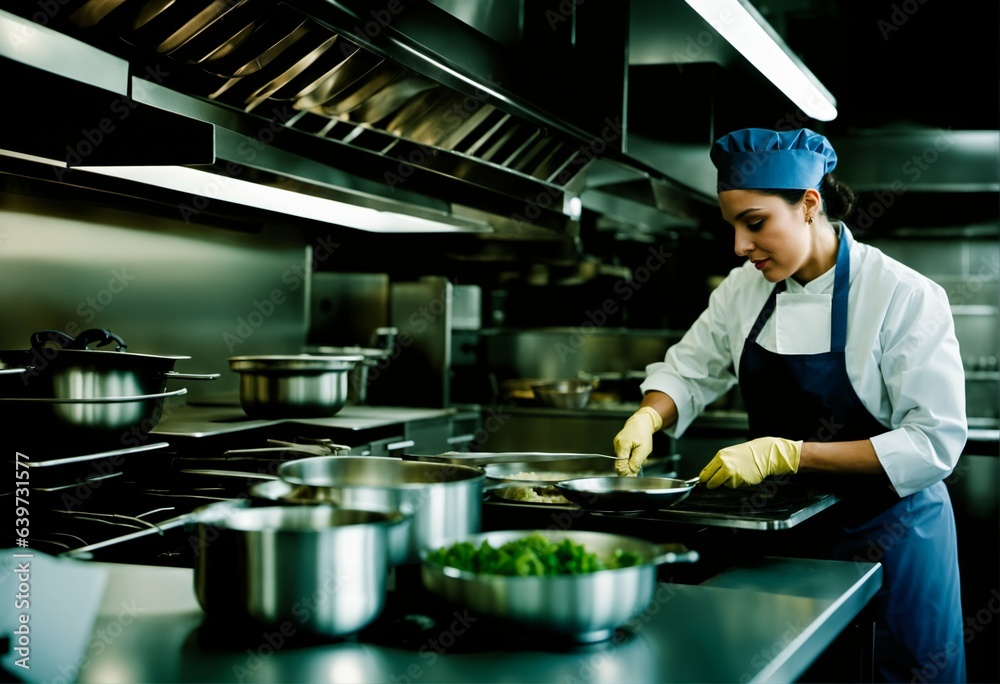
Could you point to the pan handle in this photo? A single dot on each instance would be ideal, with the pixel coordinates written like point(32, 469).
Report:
point(197, 516)
point(174, 375)
point(102, 337)
point(243, 475)
point(40, 338)
point(674, 553)
point(12, 371)
point(158, 528)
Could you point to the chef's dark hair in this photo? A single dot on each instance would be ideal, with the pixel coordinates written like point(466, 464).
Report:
point(838, 198)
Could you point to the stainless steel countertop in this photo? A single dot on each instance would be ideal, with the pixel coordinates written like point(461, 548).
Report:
point(764, 622)
point(205, 421)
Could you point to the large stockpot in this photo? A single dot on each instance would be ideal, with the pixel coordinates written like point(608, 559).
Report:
point(321, 569)
point(583, 607)
point(60, 367)
point(444, 500)
point(293, 386)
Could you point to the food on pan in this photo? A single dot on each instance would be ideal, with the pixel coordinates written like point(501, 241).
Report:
point(535, 494)
point(532, 555)
point(545, 476)
point(541, 477)
point(546, 495)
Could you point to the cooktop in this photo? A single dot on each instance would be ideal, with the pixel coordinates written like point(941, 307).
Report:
point(772, 505)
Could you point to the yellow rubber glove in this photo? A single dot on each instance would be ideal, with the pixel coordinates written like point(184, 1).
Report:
point(635, 441)
point(749, 463)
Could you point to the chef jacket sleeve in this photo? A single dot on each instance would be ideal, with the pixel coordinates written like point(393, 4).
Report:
point(698, 369)
point(923, 375)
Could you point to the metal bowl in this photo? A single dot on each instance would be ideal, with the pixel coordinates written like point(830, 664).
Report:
point(622, 494)
point(293, 386)
point(564, 393)
point(579, 608)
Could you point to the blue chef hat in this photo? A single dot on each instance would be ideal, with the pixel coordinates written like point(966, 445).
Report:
point(759, 158)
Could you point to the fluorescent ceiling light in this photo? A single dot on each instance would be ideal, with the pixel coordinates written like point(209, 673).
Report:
point(747, 31)
point(215, 187)
point(228, 189)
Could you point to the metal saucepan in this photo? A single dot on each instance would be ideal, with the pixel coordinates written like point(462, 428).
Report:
point(620, 494)
point(293, 386)
point(61, 367)
point(320, 568)
point(46, 428)
point(583, 607)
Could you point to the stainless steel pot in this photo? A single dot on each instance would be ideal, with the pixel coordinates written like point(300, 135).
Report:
point(47, 427)
point(321, 569)
point(444, 500)
point(583, 608)
point(281, 493)
point(60, 367)
point(293, 386)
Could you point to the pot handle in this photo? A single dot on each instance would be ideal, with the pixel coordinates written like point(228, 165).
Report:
point(174, 375)
point(101, 336)
point(158, 528)
point(40, 338)
point(674, 553)
point(243, 475)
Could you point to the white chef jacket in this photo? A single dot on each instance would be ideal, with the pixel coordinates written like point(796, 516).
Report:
point(902, 356)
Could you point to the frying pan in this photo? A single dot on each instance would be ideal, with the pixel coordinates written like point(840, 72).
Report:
point(548, 472)
point(623, 494)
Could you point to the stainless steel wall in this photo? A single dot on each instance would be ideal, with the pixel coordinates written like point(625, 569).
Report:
point(968, 268)
point(165, 286)
point(555, 353)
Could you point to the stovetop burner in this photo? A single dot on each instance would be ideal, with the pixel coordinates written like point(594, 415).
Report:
point(103, 500)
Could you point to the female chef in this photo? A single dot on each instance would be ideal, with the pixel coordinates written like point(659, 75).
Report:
point(850, 371)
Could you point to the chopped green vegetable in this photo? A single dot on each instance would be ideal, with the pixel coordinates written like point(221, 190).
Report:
point(533, 555)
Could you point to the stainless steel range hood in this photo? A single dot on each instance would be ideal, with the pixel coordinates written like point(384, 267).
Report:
point(403, 110)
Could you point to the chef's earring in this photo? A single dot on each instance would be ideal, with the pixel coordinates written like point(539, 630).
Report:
point(809, 220)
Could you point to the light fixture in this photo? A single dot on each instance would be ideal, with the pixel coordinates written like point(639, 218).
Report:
point(746, 30)
point(204, 187)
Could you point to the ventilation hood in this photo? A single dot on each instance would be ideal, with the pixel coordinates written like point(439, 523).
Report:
point(401, 112)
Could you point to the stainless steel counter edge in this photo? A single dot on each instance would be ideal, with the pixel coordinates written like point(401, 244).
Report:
point(759, 624)
point(203, 421)
point(798, 577)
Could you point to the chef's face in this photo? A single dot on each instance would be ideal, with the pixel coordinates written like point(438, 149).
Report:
point(769, 232)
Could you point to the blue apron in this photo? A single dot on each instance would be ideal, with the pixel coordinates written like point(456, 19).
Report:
point(918, 613)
